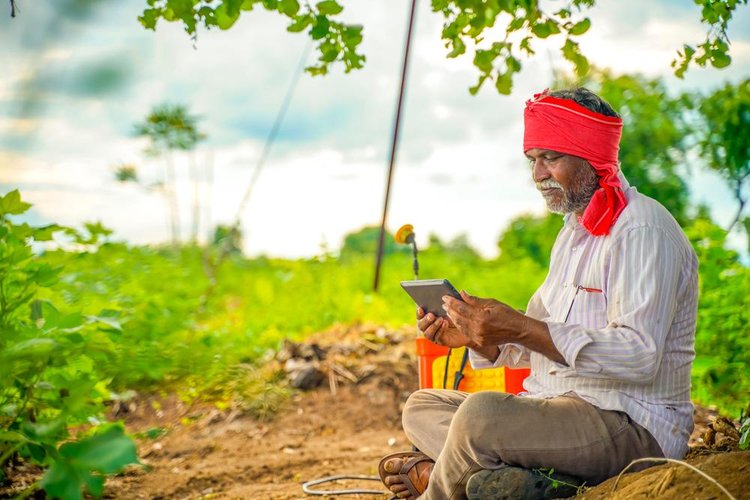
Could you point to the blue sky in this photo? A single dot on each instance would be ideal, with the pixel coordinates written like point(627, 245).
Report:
point(74, 83)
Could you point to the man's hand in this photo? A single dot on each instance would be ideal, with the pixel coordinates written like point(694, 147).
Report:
point(439, 330)
point(488, 323)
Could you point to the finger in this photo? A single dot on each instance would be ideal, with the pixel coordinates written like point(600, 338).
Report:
point(455, 307)
point(472, 300)
point(431, 332)
point(420, 313)
point(437, 337)
point(424, 323)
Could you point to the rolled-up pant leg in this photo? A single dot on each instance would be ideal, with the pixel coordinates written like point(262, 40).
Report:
point(465, 433)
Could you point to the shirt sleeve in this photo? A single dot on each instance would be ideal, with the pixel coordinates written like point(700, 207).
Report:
point(642, 286)
point(511, 355)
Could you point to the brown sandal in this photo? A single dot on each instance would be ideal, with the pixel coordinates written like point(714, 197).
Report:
point(413, 476)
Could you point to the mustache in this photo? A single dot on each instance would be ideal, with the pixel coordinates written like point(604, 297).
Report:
point(548, 184)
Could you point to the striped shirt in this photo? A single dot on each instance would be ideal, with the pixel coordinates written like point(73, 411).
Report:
point(621, 310)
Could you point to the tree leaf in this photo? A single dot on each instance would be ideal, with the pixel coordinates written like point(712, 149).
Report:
point(11, 437)
point(289, 7)
point(504, 82)
point(321, 28)
point(45, 275)
point(107, 452)
point(720, 59)
point(580, 27)
point(11, 204)
point(45, 432)
point(32, 348)
point(458, 48)
point(225, 18)
point(109, 321)
point(329, 7)
point(541, 30)
point(45, 233)
point(149, 17)
point(63, 480)
point(300, 23)
point(95, 484)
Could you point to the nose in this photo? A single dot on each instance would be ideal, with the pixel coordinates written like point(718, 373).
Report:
point(540, 170)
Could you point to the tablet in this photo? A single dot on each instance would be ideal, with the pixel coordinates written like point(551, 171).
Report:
point(428, 294)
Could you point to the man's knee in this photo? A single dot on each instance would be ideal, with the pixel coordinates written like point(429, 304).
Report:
point(480, 413)
point(412, 415)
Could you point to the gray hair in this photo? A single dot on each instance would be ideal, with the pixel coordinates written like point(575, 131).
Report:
point(587, 99)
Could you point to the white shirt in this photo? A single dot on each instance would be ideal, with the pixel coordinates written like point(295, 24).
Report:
point(621, 310)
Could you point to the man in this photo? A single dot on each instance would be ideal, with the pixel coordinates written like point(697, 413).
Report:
point(609, 334)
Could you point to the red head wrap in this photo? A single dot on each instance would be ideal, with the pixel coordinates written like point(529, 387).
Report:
point(564, 126)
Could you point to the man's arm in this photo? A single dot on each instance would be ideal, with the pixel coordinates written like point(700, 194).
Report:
point(490, 323)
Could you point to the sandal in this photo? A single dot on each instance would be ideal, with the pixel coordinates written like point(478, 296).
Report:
point(413, 475)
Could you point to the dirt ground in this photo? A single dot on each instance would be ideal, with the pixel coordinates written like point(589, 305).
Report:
point(342, 428)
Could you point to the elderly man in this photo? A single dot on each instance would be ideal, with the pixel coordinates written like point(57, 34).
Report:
point(609, 335)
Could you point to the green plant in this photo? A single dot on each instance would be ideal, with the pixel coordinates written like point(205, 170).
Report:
point(745, 429)
point(48, 365)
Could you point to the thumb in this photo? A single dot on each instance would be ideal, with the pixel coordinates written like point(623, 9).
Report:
point(469, 299)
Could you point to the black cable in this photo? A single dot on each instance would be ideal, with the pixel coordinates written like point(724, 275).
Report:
point(460, 373)
point(445, 372)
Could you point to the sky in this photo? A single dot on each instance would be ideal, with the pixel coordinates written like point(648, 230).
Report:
point(75, 80)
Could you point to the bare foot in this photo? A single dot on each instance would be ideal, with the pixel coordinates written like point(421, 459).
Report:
point(418, 474)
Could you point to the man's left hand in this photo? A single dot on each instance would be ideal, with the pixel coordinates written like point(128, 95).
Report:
point(487, 322)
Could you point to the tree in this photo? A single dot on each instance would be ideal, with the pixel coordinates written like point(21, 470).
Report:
point(724, 138)
point(655, 134)
point(171, 128)
point(365, 242)
point(530, 237)
point(467, 23)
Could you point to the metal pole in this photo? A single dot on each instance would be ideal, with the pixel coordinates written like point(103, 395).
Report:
point(394, 144)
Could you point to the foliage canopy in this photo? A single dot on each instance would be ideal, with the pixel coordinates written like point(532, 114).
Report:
point(724, 137)
point(467, 23)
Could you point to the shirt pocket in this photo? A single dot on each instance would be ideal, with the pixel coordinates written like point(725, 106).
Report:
point(589, 309)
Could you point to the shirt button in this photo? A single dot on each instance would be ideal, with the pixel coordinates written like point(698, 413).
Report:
point(574, 248)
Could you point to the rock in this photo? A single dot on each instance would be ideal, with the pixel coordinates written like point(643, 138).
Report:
point(306, 378)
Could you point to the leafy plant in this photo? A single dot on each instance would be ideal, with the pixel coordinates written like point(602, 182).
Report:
point(745, 429)
point(48, 365)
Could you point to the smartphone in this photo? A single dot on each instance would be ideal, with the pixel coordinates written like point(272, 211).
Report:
point(428, 294)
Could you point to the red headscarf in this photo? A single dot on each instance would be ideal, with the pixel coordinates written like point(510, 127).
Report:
point(564, 126)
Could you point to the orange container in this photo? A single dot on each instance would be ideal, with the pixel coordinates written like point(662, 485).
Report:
point(427, 353)
point(432, 371)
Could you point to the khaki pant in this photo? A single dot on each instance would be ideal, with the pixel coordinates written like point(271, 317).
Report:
point(465, 433)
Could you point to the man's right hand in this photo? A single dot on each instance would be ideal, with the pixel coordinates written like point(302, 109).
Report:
point(440, 330)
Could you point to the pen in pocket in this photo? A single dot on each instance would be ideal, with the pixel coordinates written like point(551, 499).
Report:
point(578, 289)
